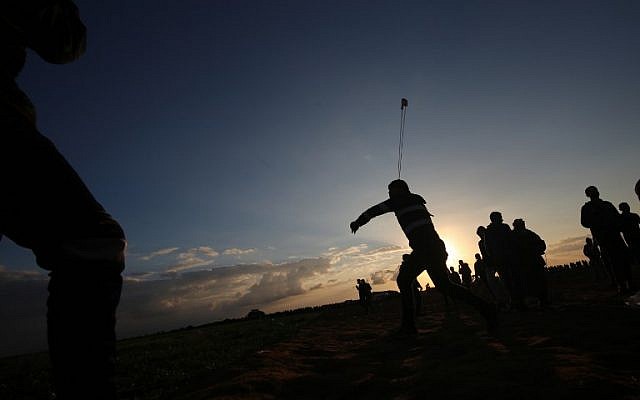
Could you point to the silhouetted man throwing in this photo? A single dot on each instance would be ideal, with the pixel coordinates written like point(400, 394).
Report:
point(428, 252)
point(46, 207)
point(602, 218)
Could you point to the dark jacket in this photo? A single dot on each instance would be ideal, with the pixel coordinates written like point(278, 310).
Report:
point(529, 248)
point(602, 218)
point(412, 215)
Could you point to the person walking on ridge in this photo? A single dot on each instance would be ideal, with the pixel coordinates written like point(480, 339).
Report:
point(428, 253)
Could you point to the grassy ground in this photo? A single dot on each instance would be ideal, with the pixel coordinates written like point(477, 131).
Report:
point(162, 365)
point(585, 346)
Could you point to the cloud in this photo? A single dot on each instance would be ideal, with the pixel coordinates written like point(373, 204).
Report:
point(237, 252)
point(191, 291)
point(161, 252)
point(382, 277)
point(7, 275)
point(335, 254)
point(193, 258)
point(284, 281)
point(566, 250)
point(569, 245)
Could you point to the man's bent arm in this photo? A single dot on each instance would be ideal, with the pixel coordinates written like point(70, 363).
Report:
point(372, 212)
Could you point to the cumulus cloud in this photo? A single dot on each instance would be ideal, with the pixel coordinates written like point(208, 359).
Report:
point(197, 297)
point(237, 252)
point(283, 281)
point(566, 250)
point(190, 291)
point(193, 258)
point(336, 254)
point(161, 252)
point(382, 277)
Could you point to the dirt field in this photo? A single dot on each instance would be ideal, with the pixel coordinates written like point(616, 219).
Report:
point(586, 346)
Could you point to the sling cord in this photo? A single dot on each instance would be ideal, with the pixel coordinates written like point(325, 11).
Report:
point(403, 114)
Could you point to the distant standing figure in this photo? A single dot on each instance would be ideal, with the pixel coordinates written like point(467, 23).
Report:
point(417, 292)
point(454, 276)
point(529, 249)
point(602, 218)
point(631, 230)
point(46, 207)
point(592, 252)
point(465, 273)
point(428, 252)
point(499, 247)
point(487, 277)
point(364, 294)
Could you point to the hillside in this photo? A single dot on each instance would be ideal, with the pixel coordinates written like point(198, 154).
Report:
point(586, 345)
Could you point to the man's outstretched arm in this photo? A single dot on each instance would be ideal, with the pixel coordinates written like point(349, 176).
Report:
point(372, 212)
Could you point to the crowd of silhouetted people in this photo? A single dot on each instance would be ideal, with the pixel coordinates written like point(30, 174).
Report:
point(615, 241)
point(510, 267)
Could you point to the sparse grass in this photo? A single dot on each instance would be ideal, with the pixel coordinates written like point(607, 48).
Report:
point(161, 365)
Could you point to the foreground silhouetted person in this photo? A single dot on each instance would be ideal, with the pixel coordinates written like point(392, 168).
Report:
point(602, 218)
point(630, 230)
point(529, 248)
point(428, 252)
point(46, 207)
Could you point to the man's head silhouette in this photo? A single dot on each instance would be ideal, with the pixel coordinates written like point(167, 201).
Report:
point(518, 224)
point(496, 217)
point(592, 192)
point(624, 207)
point(398, 187)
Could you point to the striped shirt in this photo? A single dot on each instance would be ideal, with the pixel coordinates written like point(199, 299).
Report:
point(410, 210)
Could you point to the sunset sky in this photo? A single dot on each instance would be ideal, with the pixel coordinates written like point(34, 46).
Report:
point(236, 140)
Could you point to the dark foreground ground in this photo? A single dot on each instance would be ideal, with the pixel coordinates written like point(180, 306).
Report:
point(586, 346)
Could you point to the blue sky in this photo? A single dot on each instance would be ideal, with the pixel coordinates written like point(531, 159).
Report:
point(235, 133)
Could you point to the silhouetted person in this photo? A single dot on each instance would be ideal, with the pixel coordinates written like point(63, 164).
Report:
point(465, 273)
point(486, 275)
point(592, 252)
point(481, 232)
point(498, 242)
point(529, 248)
point(417, 292)
point(47, 208)
point(637, 189)
point(602, 218)
point(428, 252)
point(630, 230)
point(364, 294)
point(454, 276)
